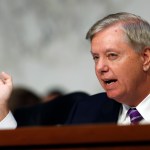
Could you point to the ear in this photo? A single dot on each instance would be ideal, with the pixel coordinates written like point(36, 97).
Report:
point(146, 59)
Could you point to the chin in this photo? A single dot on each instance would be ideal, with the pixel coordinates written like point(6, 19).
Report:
point(114, 95)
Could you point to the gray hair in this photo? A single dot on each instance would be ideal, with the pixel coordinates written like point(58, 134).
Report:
point(136, 28)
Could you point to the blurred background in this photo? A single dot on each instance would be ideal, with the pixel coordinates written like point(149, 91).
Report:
point(42, 42)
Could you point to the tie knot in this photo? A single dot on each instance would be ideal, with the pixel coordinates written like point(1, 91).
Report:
point(135, 116)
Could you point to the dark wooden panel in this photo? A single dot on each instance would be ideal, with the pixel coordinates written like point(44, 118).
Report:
point(96, 136)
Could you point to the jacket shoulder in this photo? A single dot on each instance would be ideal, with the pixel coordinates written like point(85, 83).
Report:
point(96, 108)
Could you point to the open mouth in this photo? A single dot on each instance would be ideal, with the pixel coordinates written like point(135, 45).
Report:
point(110, 81)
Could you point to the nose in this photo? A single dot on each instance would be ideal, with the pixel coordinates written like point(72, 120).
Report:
point(101, 66)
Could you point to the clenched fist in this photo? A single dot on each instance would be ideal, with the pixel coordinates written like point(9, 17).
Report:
point(5, 92)
point(5, 88)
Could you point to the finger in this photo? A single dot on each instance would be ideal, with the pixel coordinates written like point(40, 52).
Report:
point(5, 78)
point(2, 81)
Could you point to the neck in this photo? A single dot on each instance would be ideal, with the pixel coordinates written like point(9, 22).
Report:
point(136, 98)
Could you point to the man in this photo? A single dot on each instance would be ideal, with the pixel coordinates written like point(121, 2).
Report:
point(120, 47)
point(7, 120)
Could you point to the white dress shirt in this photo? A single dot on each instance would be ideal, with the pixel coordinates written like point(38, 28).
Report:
point(8, 122)
point(143, 108)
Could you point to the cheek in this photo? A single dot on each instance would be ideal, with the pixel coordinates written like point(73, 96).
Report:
point(97, 74)
point(129, 73)
point(96, 71)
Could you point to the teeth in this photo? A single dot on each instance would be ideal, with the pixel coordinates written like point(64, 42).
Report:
point(110, 81)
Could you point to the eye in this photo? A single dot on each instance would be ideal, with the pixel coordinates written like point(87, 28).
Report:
point(112, 56)
point(95, 58)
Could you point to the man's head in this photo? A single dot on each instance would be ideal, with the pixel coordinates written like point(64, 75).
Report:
point(136, 28)
point(120, 46)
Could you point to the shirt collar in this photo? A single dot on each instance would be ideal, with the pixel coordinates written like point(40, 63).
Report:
point(123, 112)
point(143, 108)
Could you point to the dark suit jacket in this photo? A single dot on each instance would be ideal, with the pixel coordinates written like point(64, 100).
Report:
point(74, 108)
point(51, 113)
point(95, 109)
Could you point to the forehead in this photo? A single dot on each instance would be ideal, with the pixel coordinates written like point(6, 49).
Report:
point(114, 30)
point(110, 37)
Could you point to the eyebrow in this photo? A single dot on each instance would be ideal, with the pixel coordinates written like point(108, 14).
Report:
point(93, 53)
point(107, 50)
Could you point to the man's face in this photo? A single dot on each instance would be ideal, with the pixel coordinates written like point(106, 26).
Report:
point(118, 67)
